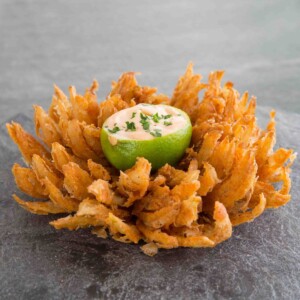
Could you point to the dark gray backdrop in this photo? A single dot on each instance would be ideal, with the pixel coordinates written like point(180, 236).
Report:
point(72, 42)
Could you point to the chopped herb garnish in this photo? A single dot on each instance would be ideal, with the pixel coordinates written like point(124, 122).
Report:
point(143, 117)
point(114, 130)
point(145, 124)
point(130, 126)
point(167, 123)
point(144, 121)
point(156, 133)
point(156, 118)
point(133, 115)
point(167, 116)
point(179, 115)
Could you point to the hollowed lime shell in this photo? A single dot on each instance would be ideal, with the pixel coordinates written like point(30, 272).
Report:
point(158, 151)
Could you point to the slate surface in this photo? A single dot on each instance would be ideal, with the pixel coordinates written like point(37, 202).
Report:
point(72, 42)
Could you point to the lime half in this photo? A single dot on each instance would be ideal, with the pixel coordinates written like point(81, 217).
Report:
point(159, 133)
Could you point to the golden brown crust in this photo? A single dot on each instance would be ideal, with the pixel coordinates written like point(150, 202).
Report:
point(225, 179)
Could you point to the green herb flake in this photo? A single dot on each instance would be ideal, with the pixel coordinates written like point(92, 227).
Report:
point(156, 118)
point(145, 124)
point(144, 121)
point(167, 116)
point(114, 130)
point(133, 115)
point(143, 117)
point(156, 133)
point(130, 126)
point(167, 123)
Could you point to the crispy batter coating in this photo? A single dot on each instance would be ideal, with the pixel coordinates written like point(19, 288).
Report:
point(98, 171)
point(61, 156)
point(28, 182)
point(122, 231)
point(45, 127)
point(186, 92)
point(162, 239)
point(188, 212)
point(101, 190)
point(150, 249)
point(175, 176)
point(134, 182)
point(90, 213)
point(221, 230)
point(85, 108)
point(208, 180)
point(229, 175)
point(76, 181)
point(91, 135)
point(39, 208)
point(56, 196)
point(77, 140)
point(248, 216)
point(76, 222)
point(27, 144)
point(44, 169)
point(110, 106)
point(233, 188)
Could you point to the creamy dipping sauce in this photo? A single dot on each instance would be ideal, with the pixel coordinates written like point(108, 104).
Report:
point(144, 122)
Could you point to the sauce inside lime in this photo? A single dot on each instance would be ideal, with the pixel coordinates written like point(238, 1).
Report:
point(159, 133)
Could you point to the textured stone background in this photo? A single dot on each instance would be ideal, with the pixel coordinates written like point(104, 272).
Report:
point(72, 42)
